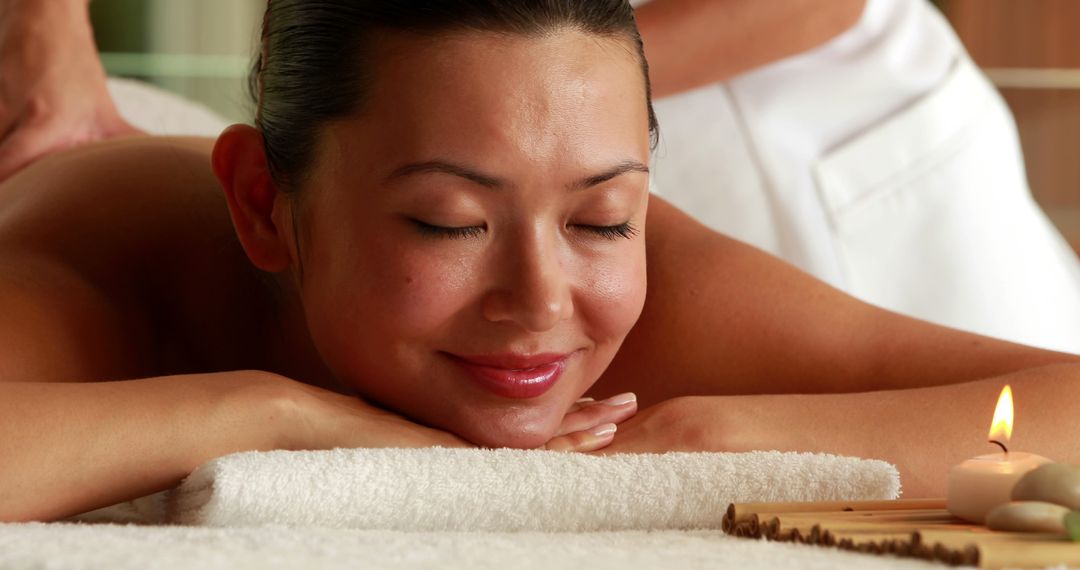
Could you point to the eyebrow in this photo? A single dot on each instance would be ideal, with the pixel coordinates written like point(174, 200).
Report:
point(495, 183)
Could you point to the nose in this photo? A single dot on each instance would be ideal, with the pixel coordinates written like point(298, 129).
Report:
point(533, 289)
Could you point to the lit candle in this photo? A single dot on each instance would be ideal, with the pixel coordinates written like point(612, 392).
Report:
point(981, 483)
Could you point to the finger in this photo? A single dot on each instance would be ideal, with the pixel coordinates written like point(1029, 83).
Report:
point(589, 440)
point(589, 413)
point(613, 410)
point(24, 145)
point(580, 404)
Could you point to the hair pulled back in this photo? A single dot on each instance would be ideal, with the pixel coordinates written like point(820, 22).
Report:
point(314, 66)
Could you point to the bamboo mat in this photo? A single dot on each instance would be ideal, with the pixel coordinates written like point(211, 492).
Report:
point(906, 528)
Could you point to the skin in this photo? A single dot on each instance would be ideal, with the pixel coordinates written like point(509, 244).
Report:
point(687, 49)
point(733, 349)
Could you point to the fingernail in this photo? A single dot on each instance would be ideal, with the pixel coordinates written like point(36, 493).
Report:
point(584, 401)
point(621, 399)
point(604, 430)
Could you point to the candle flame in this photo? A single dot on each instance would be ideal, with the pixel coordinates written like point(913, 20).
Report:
point(1001, 427)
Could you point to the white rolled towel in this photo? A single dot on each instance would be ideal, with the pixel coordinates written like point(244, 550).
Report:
point(438, 489)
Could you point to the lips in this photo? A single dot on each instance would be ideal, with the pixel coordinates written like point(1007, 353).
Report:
point(513, 375)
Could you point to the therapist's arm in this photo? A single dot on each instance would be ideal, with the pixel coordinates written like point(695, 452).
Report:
point(690, 43)
point(53, 93)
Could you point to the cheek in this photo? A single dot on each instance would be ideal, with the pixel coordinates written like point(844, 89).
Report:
point(613, 296)
point(419, 295)
point(371, 307)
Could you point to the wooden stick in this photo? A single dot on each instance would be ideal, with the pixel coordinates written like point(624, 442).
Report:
point(918, 529)
point(739, 511)
point(913, 513)
point(905, 544)
point(858, 536)
point(1028, 555)
point(893, 527)
point(933, 519)
point(754, 527)
point(951, 538)
point(895, 516)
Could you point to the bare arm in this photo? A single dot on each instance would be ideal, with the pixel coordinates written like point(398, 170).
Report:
point(923, 431)
point(690, 43)
point(72, 447)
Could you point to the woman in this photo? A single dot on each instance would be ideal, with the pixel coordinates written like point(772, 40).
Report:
point(446, 206)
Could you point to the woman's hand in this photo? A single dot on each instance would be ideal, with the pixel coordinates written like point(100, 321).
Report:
point(691, 423)
point(321, 419)
point(53, 93)
point(590, 425)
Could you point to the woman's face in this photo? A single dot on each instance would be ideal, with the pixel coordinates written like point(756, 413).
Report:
point(473, 239)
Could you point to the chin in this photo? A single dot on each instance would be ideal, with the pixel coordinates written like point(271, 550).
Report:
point(512, 440)
point(518, 429)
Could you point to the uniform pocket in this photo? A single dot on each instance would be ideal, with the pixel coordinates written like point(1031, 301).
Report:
point(933, 218)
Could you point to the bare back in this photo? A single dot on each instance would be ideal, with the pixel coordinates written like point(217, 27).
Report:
point(119, 261)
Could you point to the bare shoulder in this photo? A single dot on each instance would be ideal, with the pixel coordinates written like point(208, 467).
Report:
point(724, 318)
point(104, 252)
point(118, 195)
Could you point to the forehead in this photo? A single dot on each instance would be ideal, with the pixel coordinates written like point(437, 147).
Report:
point(561, 97)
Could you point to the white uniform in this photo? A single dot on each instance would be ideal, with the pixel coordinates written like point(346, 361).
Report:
point(884, 163)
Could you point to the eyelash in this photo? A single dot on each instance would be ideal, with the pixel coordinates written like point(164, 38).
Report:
point(624, 230)
point(451, 233)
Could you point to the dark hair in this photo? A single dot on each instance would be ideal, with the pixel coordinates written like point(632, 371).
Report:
point(312, 69)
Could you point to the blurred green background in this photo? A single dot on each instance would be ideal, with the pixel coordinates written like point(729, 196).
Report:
point(198, 48)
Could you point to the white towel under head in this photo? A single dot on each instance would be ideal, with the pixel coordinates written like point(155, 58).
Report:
point(511, 490)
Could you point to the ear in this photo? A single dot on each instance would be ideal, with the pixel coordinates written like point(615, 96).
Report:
point(239, 163)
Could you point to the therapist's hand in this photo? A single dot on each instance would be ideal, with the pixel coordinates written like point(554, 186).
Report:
point(52, 84)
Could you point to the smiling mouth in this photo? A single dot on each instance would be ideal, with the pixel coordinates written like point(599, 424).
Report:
point(512, 375)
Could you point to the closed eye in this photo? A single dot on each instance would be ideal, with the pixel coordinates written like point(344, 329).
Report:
point(624, 230)
point(445, 232)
